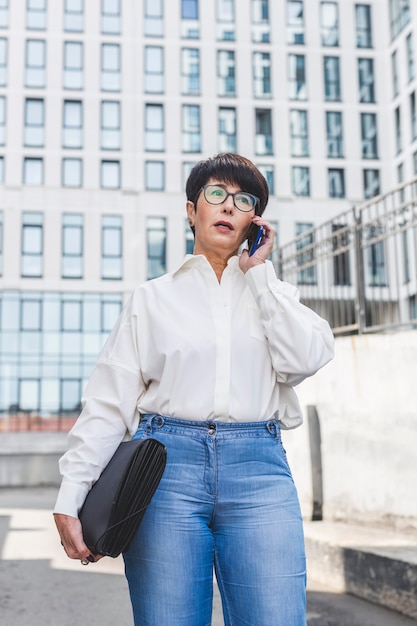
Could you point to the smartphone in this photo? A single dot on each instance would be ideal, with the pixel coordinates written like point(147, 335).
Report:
point(257, 240)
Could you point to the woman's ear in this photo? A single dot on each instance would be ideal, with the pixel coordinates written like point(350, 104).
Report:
point(190, 212)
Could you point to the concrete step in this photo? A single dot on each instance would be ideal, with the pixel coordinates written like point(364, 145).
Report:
point(377, 564)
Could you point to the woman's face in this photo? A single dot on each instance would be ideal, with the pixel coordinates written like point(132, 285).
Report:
point(219, 228)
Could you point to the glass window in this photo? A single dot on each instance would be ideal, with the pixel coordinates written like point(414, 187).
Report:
point(110, 67)
point(35, 63)
point(225, 20)
point(73, 124)
point(371, 187)
point(299, 133)
point(413, 115)
point(4, 13)
point(329, 23)
point(260, 21)
point(32, 171)
point(300, 181)
point(262, 75)
point(72, 173)
point(187, 166)
point(154, 18)
point(72, 245)
point(191, 131)
point(297, 77)
point(154, 69)
point(73, 65)
point(36, 14)
point(263, 132)
point(375, 248)
point(366, 80)
point(110, 125)
point(34, 122)
point(110, 175)
point(190, 71)
point(155, 175)
point(332, 79)
point(156, 246)
point(399, 15)
point(32, 245)
point(3, 62)
point(410, 57)
point(74, 16)
point(111, 247)
point(110, 17)
point(398, 133)
point(2, 120)
point(189, 16)
point(363, 26)
point(394, 67)
point(227, 130)
point(295, 22)
point(305, 253)
point(269, 173)
point(369, 136)
point(336, 178)
point(154, 127)
point(226, 79)
point(334, 130)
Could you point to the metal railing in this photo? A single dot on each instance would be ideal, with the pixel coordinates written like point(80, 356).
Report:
point(359, 270)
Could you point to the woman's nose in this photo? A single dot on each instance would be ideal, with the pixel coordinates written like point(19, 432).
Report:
point(228, 204)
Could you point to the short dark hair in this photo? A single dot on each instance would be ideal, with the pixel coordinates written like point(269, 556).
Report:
point(229, 168)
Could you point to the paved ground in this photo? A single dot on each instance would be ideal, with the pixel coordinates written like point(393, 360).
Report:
point(39, 586)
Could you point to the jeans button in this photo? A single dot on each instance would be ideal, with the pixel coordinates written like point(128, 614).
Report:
point(212, 429)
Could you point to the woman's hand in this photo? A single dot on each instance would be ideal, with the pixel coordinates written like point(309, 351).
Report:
point(263, 251)
point(70, 531)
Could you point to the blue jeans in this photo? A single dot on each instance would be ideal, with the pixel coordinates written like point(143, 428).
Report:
point(226, 500)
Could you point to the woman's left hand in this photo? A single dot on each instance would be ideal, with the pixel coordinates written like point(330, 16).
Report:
point(246, 262)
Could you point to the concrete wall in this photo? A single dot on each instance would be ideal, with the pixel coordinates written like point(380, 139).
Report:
point(366, 400)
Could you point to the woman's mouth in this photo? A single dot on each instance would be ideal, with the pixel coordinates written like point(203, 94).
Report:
point(226, 226)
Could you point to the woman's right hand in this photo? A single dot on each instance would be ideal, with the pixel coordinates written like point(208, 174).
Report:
point(71, 534)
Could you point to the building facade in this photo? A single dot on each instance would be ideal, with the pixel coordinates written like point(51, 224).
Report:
point(105, 105)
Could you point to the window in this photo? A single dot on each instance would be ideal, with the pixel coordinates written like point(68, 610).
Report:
point(371, 186)
point(366, 80)
point(72, 136)
point(155, 175)
point(110, 175)
point(262, 75)
point(336, 179)
point(305, 254)
point(189, 238)
point(332, 79)
point(369, 136)
point(74, 16)
point(35, 63)
point(3, 62)
point(189, 17)
point(110, 125)
point(260, 21)
point(297, 77)
point(227, 130)
point(410, 57)
point(156, 246)
point(110, 17)
point(111, 247)
point(295, 22)
point(363, 26)
point(399, 15)
point(110, 67)
point(394, 67)
point(72, 246)
point(36, 14)
point(1, 170)
point(341, 263)
point(225, 20)
point(2, 120)
point(334, 130)
point(73, 65)
point(1, 243)
point(329, 24)
point(4, 13)
point(72, 173)
point(154, 17)
point(190, 71)
point(32, 171)
point(226, 73)
point(187, 166)
point(34, 123)
point(375, 248)
point(300, 181)
point(32, 245)
point(154, 127)
point(398, 134)
point(154, 69)
point(263, 130)
point(413, 115)
point(299, 133)
point(269, 173)
point(191, 131)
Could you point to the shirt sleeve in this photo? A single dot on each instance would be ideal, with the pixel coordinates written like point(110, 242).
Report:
point(108, 414)
point(300, 341)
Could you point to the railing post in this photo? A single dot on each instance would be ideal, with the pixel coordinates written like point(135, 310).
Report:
point(360, 298)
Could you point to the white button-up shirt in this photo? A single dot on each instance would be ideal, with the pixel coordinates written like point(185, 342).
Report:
point(190, 347)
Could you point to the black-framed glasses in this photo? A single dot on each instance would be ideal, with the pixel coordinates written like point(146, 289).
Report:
point(216, 194)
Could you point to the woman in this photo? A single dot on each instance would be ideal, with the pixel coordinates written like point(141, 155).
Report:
point(207, 357)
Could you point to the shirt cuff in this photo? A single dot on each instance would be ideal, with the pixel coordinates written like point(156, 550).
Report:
point(70, 499)
point(257, 279)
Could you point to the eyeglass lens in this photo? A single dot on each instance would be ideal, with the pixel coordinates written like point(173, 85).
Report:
point(215, 194)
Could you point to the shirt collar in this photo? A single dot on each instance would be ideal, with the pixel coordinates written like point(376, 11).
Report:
point(199, 260)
